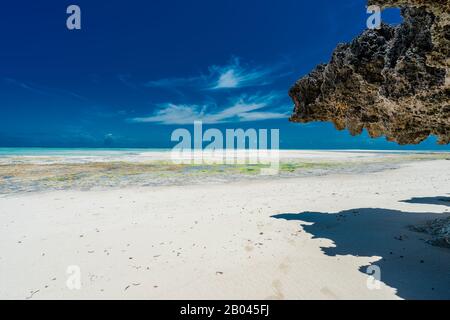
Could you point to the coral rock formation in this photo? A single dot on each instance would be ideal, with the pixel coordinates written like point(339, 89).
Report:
point(439, 229)
point(393, 81)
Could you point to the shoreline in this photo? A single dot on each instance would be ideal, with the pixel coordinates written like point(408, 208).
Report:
point(35, 174)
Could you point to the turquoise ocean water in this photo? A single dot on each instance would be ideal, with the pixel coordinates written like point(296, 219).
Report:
point(80, 152)
point(74, 151)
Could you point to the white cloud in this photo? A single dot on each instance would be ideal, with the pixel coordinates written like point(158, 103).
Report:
point(245, 108)
point(228, 79)
point(174, 114)
point(233, 75)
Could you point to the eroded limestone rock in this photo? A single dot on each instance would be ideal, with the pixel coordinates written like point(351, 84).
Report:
point(394, 81)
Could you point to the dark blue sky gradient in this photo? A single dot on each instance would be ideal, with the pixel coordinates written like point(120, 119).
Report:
point(61, 88)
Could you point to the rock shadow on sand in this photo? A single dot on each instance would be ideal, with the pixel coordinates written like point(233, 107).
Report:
point(415, 268)
point(440, 201)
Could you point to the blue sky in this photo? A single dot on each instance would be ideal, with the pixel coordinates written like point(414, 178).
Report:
point(137, 70)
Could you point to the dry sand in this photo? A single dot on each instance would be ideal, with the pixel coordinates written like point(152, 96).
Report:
point(297, 238)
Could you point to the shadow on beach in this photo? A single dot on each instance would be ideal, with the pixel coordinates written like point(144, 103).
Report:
point(440, 201)
point(415, 268)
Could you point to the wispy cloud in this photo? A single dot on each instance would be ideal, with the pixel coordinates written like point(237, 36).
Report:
point(244, 108)
point(24, 85)
point(231, 76)
point(236, 75)
point(174, 114)
point(50, 92)
point(170, 83)
point(125, 79)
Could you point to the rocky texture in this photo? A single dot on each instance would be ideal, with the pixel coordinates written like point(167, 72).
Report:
point(439, 229)
point(393, 81)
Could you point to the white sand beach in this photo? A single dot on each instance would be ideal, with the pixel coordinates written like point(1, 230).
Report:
point(297, 237)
